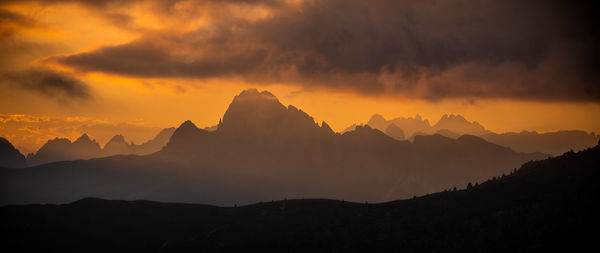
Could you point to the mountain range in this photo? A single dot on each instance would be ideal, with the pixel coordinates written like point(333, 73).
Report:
point(400, 128)
point(62, 149)
point(264, 150)
point(543, 206)
point(454, 126)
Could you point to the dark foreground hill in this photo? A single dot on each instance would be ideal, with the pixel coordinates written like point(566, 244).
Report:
point(545, 205)
point(10, 157)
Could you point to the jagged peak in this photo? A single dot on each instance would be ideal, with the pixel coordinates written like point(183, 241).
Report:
point(377, 117)
point(188, 124)
point(83, 138)
point(454, 118)
point(251, 101)
point(459, 117)
point(59, 140)
point(363, 127)
point(117, 139)
point(251, 111)
point(253, 93)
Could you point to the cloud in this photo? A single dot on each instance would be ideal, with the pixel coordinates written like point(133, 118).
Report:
point(145, 58)
point(10, 22)
point(49, 83)
point(533, 50)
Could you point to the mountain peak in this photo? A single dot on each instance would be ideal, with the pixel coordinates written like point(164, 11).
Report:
point(252, 110)
point(253, 113)
point(119, 138)
point(254, 93)
point(83, 138)
point(377, 121)
point(187, 124)
point(185, 130)
point(377, 117)
point(453, 117)
point(460, 125)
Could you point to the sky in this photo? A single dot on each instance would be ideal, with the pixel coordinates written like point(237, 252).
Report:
point(135, 66)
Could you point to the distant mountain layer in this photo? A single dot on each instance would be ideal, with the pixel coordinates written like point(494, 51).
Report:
point(10, 157)
point(411, 126)
point(551, 143)
point(61, 149)
point(453, 126)
point(264, 150)
point(545, 206)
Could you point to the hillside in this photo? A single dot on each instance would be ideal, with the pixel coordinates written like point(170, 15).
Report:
point(10, 157)
point(544, 205)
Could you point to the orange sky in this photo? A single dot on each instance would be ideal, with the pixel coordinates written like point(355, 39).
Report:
point(139, 106)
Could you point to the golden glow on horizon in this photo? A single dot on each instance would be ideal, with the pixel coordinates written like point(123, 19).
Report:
point(166, 102)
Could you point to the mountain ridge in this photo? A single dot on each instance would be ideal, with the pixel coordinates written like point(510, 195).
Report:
point(62, 149)
point(280, 152)
point(455, 125)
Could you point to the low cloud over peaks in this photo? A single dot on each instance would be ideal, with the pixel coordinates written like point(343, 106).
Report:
point(533, 50)
point(49, 83)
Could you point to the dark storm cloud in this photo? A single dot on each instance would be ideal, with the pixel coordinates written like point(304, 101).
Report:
point(144, 59)
point(49, 83)
point(9, 16)
point(536, 50)
point(103, 4)
point(11, 21)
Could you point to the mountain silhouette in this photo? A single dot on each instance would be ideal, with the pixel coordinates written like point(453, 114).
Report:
point(458, 124)
point(395, 132)
point(554, 143)
point(350, 128)
point(10, 157)
point(410, 125)
point(453, 126)
point(62, 149)
point(116, 145)
point(254, 114)
point(265, 150)
point(544, 206)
